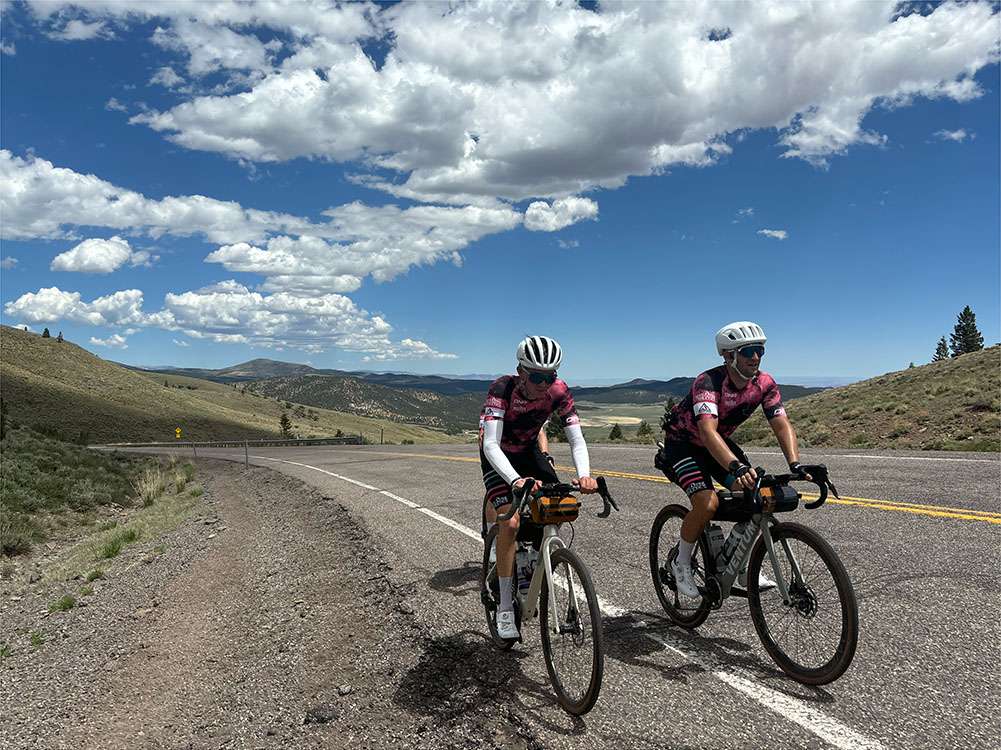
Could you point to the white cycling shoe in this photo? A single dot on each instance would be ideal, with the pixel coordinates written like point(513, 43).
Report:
point(764, 582)
point(506, 626)
point(493, 552)
point(684, 579)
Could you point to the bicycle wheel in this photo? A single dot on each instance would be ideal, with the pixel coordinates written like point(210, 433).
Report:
point(688, 612)
point(813, 639)
point(490, 593)
point(573, 644)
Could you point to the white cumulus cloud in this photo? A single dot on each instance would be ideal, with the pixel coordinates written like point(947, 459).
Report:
point(550, 217)
point(114, 341)
point(955, 135)
point(94, 256)
point(778, 234)
point(531, 100)
point(8, 262)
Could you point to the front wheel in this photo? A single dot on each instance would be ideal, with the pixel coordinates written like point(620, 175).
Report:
point(490, 593)
point(572, 638)
point(685, 611)
point(813, 637)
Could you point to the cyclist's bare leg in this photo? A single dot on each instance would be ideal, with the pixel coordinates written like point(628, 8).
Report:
point(507, 532)
point(704, 506)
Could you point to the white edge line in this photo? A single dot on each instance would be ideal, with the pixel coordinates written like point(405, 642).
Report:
point(828, 729)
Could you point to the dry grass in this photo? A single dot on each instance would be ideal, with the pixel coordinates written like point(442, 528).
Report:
point(954, 404)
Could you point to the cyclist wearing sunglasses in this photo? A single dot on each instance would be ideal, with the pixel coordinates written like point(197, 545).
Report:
point(697, 444)
point(516, 410)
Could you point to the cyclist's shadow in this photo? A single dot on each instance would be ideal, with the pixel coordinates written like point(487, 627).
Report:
point(634, 636)
point(461, 581)
point(464, 673)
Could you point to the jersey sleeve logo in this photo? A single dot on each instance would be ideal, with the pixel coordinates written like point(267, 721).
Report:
point(706, 409)
point(492, 412)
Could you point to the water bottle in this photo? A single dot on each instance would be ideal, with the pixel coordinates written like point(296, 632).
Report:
point(736, 533)
point(715, 542)
point(525, 562)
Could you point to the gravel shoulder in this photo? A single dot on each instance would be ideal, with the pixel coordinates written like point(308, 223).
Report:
point(271, 619)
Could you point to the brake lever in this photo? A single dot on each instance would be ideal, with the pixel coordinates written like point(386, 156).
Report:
point(606, 497)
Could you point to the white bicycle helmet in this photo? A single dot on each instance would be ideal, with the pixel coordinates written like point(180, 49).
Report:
point(540, 353)
point(737, 335)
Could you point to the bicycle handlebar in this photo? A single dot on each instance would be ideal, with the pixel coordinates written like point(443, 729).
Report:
point(561, 489)
point(818, 476)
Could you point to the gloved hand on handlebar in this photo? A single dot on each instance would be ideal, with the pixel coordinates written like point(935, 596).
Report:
point(797, 470)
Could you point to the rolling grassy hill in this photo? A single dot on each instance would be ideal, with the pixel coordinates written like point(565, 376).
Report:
point(423, 407)
point(954, 404)
point(65, 390)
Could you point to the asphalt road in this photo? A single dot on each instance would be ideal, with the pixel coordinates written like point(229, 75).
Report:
point(919, 533)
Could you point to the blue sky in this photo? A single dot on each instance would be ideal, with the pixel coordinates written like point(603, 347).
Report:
point(412, 187)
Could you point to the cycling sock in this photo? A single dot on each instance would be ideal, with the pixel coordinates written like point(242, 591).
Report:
point(505, 593)
point(685, 552)
point(490, 526)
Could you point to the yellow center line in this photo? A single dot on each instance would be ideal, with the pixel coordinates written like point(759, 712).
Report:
point(864, 502)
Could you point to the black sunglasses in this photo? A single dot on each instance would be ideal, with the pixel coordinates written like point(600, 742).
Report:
point(749, 351)
point(541, 377)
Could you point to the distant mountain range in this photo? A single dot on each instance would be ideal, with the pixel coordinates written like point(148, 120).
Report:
point(636, 391)
point(436, 401)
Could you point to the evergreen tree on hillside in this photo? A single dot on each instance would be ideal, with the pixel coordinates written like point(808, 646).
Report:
point(616, 433)
point(554, 428)
point(667, 410)
point(941, 351)
point(286, 424)
point(966, 338)
point(643, 431)
point(46, 334)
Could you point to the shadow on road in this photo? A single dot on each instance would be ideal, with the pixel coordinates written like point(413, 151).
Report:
point(637, 637)
point(462, 581)
point(465, 672)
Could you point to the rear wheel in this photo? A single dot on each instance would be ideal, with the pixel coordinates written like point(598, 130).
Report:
point(688, 612)
point(572, 642)
point(813, 638)
point(490, 593)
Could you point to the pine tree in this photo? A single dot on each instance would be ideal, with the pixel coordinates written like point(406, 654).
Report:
point(59, 338)
point(554, 428)
point(46, 334)
point(966, 338)
point(667, 410)
point(616, 433)
point(643, 431)
point(941, 351)
point(286, 424)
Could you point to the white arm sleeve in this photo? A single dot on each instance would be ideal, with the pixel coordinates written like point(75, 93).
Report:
point(492, 430)
point(578, 449)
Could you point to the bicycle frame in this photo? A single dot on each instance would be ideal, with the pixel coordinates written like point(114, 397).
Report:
point(551, 541)
point(758, 523)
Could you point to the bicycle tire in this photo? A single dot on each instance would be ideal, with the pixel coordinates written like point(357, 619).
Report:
point(814, 639)
point(664, 535)
point(582, 638)
point(490, 594)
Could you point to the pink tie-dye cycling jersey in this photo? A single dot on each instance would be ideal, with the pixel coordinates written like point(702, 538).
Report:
point(714, 396)
point(523, 418)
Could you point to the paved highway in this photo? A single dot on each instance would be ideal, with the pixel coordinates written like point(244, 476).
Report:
point(920, 535)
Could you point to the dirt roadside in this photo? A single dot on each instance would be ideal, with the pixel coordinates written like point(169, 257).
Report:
point(271, 620)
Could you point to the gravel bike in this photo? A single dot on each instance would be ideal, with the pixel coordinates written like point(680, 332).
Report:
point(808, 621)
point(560, 593)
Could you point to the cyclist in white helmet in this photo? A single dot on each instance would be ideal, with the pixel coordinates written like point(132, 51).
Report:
point(697, 444)
point(516, 410)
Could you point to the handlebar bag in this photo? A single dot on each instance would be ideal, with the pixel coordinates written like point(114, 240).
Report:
point(778, 499)
point(555, 509)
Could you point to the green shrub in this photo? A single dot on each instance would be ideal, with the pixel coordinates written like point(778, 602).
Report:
point(95, 574)
point(112, 547)
point(64, 604)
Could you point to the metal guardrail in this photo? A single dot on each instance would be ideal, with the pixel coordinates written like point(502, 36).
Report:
point(347, 440)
